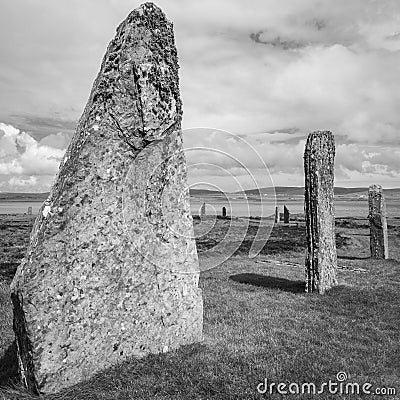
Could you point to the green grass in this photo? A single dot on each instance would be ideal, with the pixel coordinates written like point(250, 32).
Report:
point(259, 323)
point(8, 368)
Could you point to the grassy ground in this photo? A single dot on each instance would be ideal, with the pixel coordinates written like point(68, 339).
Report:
point(259, 323)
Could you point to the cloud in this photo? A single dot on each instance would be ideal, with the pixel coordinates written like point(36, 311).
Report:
point(215, 157)
point(26, 163)
point(18, 182)
point(39, 127)
point(276, 41)
point(219, 157)
point(59, 140)
point(339, 73)
point(271, 73)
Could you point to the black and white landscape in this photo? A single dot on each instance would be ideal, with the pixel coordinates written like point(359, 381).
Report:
point(199, 200)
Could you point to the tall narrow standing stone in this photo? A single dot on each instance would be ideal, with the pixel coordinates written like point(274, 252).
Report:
point(224, 211)
point(286, 215)
point(276, 215)
point(377, 223)
point(203, 210)
point(321, 258)
point(111, 270)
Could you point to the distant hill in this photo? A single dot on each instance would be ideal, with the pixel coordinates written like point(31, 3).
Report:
point(6, 196)
point(279, 190)
point(205, 192)
point(299, 191)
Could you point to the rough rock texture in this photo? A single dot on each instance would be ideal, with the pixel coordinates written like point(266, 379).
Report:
point(377, 223)
point(224, 211)
point(276, 215)
point(321, 258)
point(286, 215)
point(112, 268)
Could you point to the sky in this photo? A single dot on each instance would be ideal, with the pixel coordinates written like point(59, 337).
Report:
point(256, 76)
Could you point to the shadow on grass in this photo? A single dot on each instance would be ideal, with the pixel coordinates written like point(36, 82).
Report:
point(191, 372)
point(9, 366)
point(352, 258)
point(271, 282)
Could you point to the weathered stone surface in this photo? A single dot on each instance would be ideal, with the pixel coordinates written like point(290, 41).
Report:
point(321, 258)
point(286, 215)
point(276, 215)
point(112, 268)
point(377, 223)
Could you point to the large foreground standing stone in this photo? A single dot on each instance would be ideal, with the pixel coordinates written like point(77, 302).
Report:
point(377, 223)
point(112, 269)
point(321, 258)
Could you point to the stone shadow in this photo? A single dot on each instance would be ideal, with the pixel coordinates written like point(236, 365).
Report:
point(271, 282)
point(9, 366)
point(352, 258)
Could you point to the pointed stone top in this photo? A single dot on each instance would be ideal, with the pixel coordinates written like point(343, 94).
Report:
point(148, 7)
point(375, 188)
point(324, 141)
point(145, 14)
point(320, 134)
point(138, 84)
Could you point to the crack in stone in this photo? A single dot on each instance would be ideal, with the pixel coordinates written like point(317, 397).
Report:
point(139, 91)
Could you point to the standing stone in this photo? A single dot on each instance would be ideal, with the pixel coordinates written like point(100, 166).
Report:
point(203, 210)
point(286, 215)
point(321, 258)
point(112, 270)
point(276, 215)
point(29, 210)
point(377, 223)
point(224, 211)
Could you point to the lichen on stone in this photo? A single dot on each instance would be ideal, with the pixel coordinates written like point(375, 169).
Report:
point(88, 293)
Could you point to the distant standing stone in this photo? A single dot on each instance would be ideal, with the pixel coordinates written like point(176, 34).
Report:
point(203, 210)
point(377, 223)
point(224, 211)
point(321, 258)
point(112, 270)
point(276, 215)
point(29, 210)
point(286, 215)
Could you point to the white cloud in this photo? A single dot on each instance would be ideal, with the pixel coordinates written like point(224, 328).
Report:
point(26, 163)
point(19, 182)
point(316, 64)
point(217, 157)
point(59, 140)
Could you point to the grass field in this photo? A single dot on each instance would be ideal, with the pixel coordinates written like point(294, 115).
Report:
point(258, 323)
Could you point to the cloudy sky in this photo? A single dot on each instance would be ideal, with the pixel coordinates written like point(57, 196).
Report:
point(267, 71)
